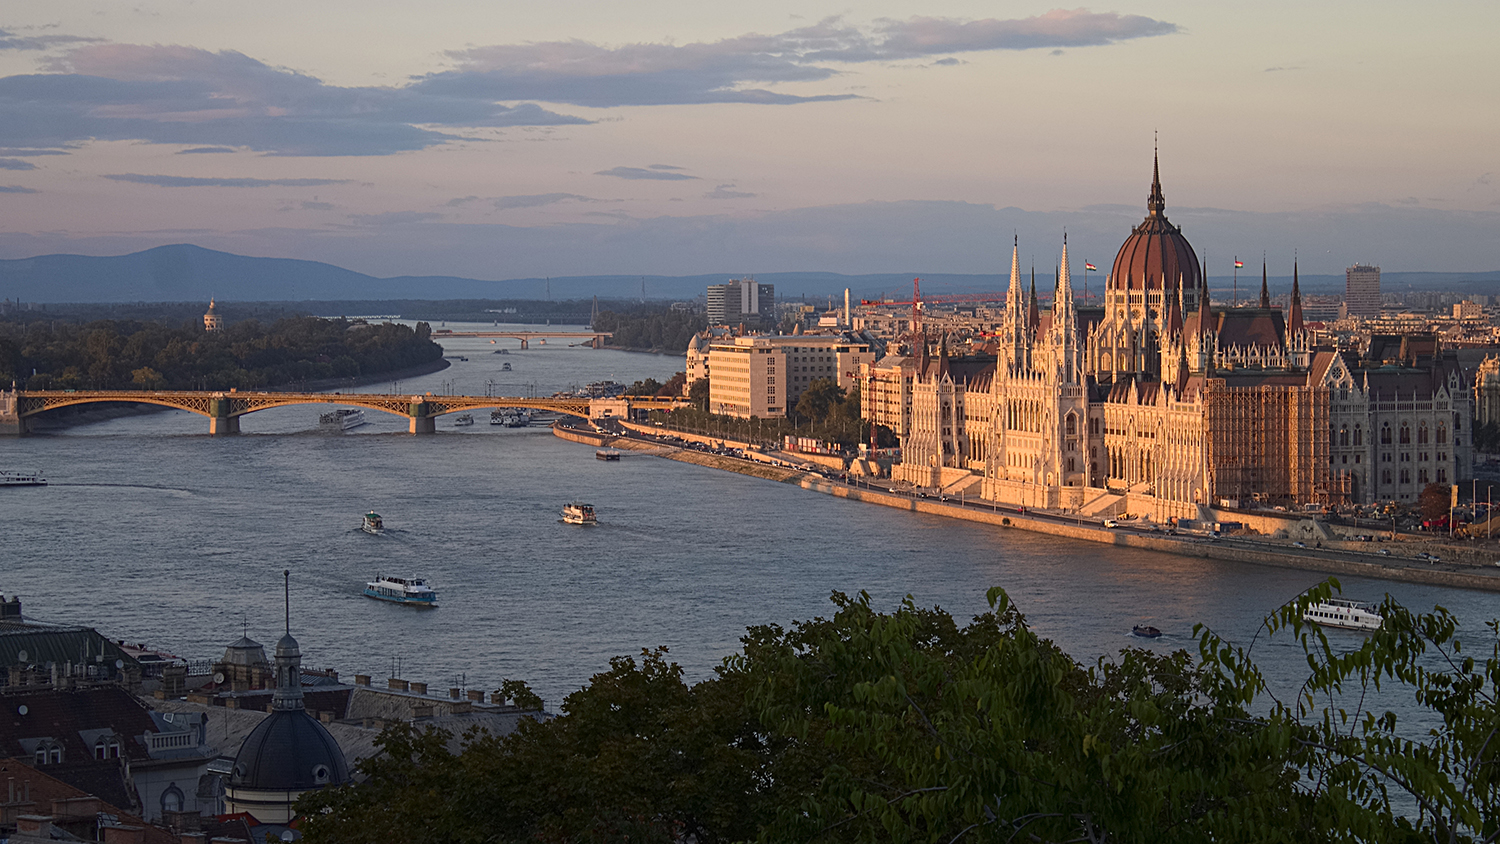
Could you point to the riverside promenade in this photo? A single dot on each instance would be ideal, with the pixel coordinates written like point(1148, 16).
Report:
point(1238, 549)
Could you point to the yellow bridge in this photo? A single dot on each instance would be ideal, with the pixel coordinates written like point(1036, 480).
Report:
point(224, 409)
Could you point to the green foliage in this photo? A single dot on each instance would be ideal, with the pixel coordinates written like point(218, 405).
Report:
point(906, 726)
point(823, 412)
point(108, 354)
point(1486, 436)
point(651, 327)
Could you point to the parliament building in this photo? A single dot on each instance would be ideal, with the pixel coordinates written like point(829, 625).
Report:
point(1158, 402)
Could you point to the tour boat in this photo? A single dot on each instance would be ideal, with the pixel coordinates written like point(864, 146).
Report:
point(607, 454)
point(497, 417)
point(504, 367)
point(463, 420)
point(343, 419)
point(1349, 615)
point(372, 523)
point(11, 477)
point(578, 513)
point(1145, 631)
point(401, 590)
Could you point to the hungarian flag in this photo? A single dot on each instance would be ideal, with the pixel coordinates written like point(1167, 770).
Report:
point(1088, 266)
point(1239, 264)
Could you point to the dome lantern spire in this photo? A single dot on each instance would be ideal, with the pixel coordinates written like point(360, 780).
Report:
point(1156, 203)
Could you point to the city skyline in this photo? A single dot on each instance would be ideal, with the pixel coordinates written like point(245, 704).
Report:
point(496, 142)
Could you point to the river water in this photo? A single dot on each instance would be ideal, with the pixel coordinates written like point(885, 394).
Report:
point(152, 531)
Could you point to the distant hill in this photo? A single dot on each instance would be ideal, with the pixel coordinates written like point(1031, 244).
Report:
point(182, 273)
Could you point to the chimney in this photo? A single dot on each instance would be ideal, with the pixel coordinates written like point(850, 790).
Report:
point(454, 693)
point(476, 695)
point(461, 707)
point(37, 825)
point(419, 688)
point(326, 716)
point(361, 679)
point(124, 835)
point(397, 684)
point(497, 698)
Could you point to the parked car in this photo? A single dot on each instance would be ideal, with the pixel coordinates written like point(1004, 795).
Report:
point(1300, 544)
point(1111, 523)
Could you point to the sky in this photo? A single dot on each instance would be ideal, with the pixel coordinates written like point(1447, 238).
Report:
point(502, 139)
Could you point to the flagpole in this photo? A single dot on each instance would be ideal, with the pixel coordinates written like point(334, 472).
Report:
point(1236, 281)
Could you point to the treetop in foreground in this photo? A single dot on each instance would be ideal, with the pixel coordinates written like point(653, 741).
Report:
point(906, 726)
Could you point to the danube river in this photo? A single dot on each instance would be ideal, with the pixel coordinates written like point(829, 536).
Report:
point(154, 532)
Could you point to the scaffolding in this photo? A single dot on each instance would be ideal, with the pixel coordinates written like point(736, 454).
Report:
point(1268, 443)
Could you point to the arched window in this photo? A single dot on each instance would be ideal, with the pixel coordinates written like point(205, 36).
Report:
point(171, 799)
point(1422, 434)
point(1405, 434)
point(1442, 434)
point(1359, 435)
point(1072, 424)
point(1344, 435)
point(1385, 433)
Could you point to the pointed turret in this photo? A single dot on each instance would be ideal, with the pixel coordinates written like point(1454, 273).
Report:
point(1296, 317)
point(1064, 319)
point(1265, 293)
point(1033, 313)
point(1174, 311)
point(1015, 309)
point(1205, 316)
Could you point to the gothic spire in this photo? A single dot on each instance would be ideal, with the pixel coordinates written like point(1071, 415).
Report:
point(1174, 311)
point(1265, 294)
point(1033, 314)
point(1296, 315)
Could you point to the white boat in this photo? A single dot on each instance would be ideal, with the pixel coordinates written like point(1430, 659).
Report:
point(372, 523)
point(401, 590)
point(497, 417)
point(463, 420)
point(11, 477)
point(1349, 615)
point(578, 513)
point(343, 419)
point(606, 454)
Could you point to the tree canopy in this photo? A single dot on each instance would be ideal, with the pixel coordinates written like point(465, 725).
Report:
point(905, 726)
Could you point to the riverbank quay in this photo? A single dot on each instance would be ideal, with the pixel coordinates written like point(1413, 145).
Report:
point(1236, 549)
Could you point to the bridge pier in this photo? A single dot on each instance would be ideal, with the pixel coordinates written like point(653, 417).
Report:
point(597, 342)
point(12, 423)
point(524, 344)
point(421, 423)
point(220, 423)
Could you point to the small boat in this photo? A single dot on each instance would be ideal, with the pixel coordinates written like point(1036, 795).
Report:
point(1145, 631)
point(578, 513)
point(463, 420)
point(343, 419)
point(10, 477)
point(497, 417)
point(401, 590)
point(606, 454)
point(505, 367)
point(372, 523)
point(1345, 614)
point(518, 419)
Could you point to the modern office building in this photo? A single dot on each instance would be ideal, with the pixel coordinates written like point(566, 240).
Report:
point(765, 376)
point(742, 300)
point(1362, 291)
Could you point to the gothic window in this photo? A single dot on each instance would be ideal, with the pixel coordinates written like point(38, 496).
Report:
point(1442, 476)
point(1421, 476)
point(1070, 464)
point(1072, 424)
point(1344, 435)
point(1359, 435)
point(1422, 434)
point(1442, 434)
point(1385, 433)
point(1406, 476)
point(1385, 476)
point(1405, 434)
point(171, 799)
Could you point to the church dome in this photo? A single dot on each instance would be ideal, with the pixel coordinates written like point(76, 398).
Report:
point(289, 751)
point(1155, 250)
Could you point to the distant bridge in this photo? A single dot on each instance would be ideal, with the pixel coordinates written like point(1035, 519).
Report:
point(595, 339)
point(224, 409)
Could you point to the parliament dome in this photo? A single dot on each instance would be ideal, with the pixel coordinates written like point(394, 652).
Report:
point(1155, 250)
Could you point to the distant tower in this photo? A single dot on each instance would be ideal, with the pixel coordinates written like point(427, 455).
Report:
point(1362, 291)
point(211, 320)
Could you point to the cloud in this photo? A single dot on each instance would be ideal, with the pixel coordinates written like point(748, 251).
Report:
point(10, 41)
point(666, 167)
point(395, 218)
point(727, 192)
point(460, 201)
point(17, 189)
point(25, 152)
point(948, 62)
point(193, 97)
point(643, 173)
point(204, 150)
point(15, 164)
point(318, 206)
point(204, 182)
point(725, 71)
point(1278, 69)
point(536, 200)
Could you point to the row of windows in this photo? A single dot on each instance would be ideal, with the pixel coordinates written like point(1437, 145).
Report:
point(1422, 476)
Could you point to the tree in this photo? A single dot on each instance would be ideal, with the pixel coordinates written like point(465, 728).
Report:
point(820, 397)
point(869, 726)
point(1434, 499)
point(698, 394)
